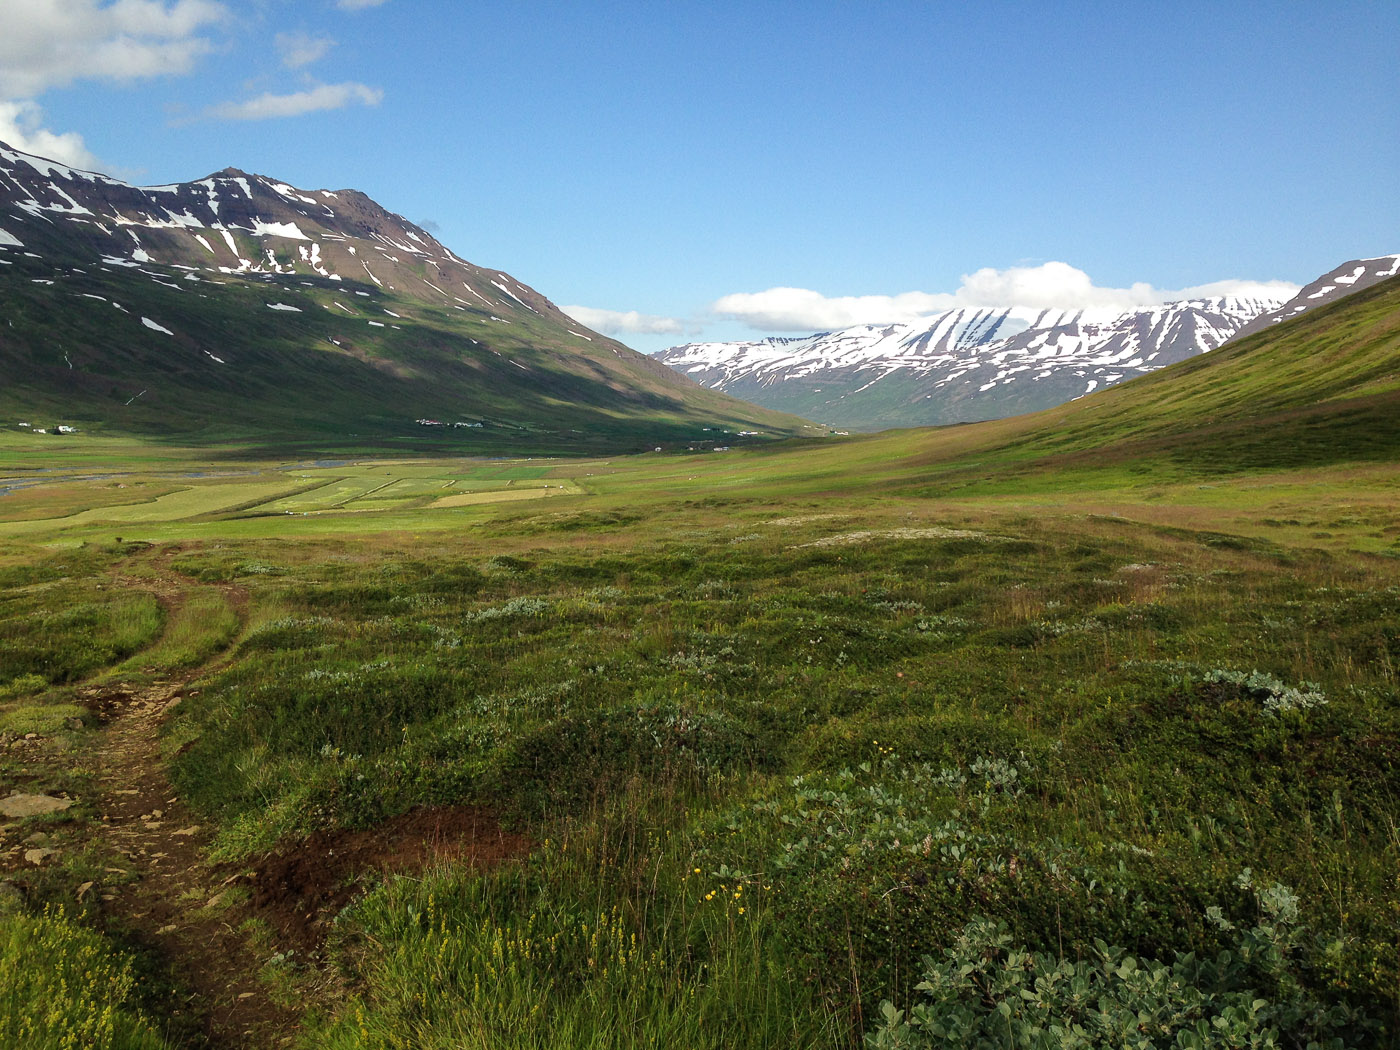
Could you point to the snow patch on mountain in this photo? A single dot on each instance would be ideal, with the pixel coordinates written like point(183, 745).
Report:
point(278, 229)
point(967, 338)
point(967, 363)
point(1350, 277)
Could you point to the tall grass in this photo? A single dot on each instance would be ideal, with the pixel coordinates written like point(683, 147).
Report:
point(202, 625)
point(864, 738)
point(61, 633)
point(822, 726)
point(564, 952)
point(64, 987)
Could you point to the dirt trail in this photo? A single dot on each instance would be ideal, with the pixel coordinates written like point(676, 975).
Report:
point(164, 895)
point(170, 905)
point(213, 930)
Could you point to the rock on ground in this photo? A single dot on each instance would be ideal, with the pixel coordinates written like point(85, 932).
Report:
point(18, 805)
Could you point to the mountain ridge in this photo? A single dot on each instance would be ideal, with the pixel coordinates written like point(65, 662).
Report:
point(1352, 276)
point(242, 300)
point(965, 364)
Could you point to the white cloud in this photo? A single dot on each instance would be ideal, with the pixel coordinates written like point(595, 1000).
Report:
point(320, 97)
point(357, 5)
point(618, 322)
point(800, 309)
point(1052, 284)
point(52, 43)
point(301, 49)
point(1049, 285)
point(1280, 290)
point(19, 127)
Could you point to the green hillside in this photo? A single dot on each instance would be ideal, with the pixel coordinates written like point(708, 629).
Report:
point(1318, 390)
point(238, 308)
point(1075, 730)
point(343, 372)
point(1322, 388)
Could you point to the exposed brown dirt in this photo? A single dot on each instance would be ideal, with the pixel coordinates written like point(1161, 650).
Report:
point(169, 899)
point(301, 890)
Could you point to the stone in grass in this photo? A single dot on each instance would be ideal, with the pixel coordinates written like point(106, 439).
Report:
point(18, 805)
point(38, 856)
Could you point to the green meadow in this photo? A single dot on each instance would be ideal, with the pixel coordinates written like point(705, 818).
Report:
point(1074, 730)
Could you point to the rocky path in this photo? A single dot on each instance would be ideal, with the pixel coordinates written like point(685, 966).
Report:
point(165, 896)
point(154, 887)
point(222, 934)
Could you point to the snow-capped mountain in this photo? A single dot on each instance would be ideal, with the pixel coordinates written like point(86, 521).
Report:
point(1349, 277)
point(963, 365)
point(235, 223)
point(240, 300)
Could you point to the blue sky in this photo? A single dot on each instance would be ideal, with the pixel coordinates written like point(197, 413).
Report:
point(730, 170)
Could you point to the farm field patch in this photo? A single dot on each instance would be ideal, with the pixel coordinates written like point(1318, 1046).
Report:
point(507, 495)
point(211, 497)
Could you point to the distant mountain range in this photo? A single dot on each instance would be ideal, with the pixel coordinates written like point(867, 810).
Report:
point(238, 304)
point(986, 363)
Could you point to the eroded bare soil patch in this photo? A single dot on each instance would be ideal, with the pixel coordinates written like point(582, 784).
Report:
point(302, 889)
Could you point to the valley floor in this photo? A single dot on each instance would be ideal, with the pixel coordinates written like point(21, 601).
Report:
point(775, 748)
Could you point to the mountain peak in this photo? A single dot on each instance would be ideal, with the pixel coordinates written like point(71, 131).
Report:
point(242, 223)
point(240, 298)
point(965, 364)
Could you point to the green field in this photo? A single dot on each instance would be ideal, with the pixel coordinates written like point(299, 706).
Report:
point(79, 506)
point(1087, 721)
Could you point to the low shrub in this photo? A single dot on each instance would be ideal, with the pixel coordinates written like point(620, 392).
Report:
point(986, 993)
point(578, 756)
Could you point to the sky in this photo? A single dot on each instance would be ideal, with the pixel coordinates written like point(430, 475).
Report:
point(673, 172)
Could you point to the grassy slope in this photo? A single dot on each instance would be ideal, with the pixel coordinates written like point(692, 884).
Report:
point(639, 673)
point(1321, 389)
point(73, 358)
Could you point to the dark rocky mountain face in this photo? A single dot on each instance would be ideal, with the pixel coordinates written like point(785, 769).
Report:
point(234, 222)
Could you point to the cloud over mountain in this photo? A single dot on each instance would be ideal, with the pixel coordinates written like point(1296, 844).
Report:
point(52, 43)
point(801, 309)
point(1051, 285)
point(19, 127)
point(620, 322)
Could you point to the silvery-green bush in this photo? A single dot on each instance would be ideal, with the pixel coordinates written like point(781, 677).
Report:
point(987, 994)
